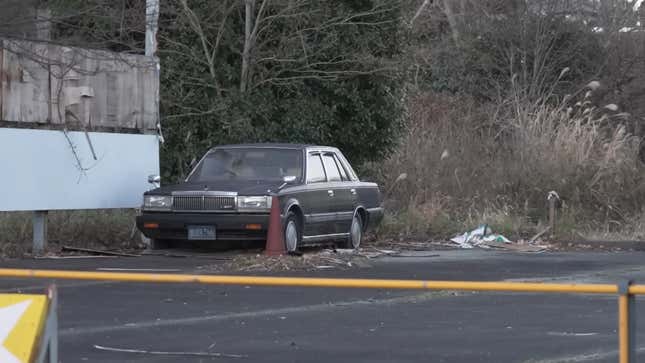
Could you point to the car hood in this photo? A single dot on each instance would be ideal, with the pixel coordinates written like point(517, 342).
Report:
point(241, 187)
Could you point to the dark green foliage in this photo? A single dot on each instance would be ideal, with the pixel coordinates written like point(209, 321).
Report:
point(520, 45)
point(321, 72)
point(338, 87)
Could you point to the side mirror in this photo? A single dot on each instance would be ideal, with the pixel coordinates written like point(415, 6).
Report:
point(286, 180)
point(154, 179)
point(289, 179)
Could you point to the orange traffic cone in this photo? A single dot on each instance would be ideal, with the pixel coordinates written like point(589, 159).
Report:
point(275, 237)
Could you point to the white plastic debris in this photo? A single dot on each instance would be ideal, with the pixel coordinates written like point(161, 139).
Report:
point(478, 237)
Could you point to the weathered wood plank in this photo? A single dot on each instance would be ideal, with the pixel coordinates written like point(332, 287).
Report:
point(26, 83)
point(78, 87)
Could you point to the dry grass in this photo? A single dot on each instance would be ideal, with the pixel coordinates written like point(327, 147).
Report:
point(468, 164)
point(90, 228)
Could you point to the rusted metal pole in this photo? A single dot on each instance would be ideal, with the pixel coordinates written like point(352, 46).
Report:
point(626, 324)
point(623, 329)
point(317, 282)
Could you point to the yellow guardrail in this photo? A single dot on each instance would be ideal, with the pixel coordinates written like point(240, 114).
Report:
point(626, 292)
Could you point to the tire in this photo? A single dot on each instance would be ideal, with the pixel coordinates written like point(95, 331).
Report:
point(355, 233)
point(292, 233)
point(159, 244)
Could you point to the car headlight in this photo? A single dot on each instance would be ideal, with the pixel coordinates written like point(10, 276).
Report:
point(254, 204)
point(159, 202)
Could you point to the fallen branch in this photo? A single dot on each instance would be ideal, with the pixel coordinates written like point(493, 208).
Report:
point(154, 352)
point(415, 255)
point(540, 234)
point(186, 255)
point(100, 252)
point(69, 257)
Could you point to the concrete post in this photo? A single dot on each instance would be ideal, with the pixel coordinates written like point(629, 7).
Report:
point(552, 198)
point(39, 223)
point(152, 20)
point(552, 216)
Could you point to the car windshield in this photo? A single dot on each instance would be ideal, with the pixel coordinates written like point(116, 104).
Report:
point(248, 164)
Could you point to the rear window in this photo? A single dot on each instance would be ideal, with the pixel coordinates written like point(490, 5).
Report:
point(315, 171)
point(330, 167)
point(248, 164)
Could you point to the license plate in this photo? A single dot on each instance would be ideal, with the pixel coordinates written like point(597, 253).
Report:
point(201, 232)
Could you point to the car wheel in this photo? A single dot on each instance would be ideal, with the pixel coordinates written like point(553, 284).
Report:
point(355, 232)
point(158, 244)
point(292, 233)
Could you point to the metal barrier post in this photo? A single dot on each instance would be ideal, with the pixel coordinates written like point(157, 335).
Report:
point(626, 324)
point(48, 352)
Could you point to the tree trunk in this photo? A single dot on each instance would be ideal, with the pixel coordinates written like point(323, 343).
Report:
point(246, 53)
point(452, 21)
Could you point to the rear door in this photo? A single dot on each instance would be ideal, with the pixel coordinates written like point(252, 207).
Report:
point(316, 199)
point(342, 199)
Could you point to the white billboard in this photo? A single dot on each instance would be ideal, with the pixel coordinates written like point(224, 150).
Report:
point(49, 170)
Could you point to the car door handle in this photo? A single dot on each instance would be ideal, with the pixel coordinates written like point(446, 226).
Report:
point(353, 191)
point(330, 193)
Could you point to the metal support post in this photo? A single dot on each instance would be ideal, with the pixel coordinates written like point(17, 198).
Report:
point(48, 352)
point(626, 324)
point(39, 223)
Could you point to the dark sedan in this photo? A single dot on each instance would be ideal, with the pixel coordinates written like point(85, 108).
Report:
point(228, 196)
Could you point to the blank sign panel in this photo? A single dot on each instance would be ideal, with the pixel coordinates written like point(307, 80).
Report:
point(49, 169)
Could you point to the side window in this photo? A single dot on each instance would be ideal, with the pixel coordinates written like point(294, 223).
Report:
point(315, 171)
point(330, 167)
point(343, 172)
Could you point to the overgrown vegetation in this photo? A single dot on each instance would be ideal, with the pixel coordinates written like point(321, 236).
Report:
point(94, 229)
point(515, 100)
point(468, 164)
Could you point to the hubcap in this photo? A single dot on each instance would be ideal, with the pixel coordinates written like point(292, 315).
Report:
point(291, 236)
point(356, 232)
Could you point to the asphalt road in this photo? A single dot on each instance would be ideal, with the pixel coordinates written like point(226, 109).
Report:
point(265, 324)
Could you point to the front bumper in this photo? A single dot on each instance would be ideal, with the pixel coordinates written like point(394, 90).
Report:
point(229, 227)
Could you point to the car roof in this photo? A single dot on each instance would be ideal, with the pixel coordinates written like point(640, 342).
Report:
point(273, 145)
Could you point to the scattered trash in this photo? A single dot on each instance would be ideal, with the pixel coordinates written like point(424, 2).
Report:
point(483, 237)
point(99, 252)
point(309, 261)
point(346, 251)
point(154, 352)
point(477, 236)
point(186, 254)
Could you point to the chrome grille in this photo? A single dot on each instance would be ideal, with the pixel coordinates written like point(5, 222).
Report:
point(202, 202)
point(219, 202)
